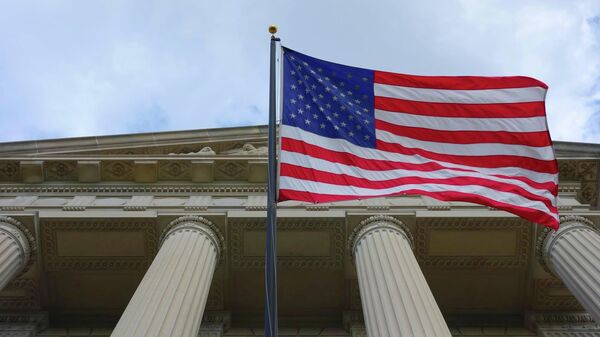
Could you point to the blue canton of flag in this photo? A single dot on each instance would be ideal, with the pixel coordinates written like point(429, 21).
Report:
point(328, 99)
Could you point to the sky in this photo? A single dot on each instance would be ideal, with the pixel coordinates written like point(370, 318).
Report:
point(86, 68)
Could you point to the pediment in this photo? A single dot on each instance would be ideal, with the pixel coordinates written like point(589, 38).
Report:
point(250, 140)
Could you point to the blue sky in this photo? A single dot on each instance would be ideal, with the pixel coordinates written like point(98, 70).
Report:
point(82, 68)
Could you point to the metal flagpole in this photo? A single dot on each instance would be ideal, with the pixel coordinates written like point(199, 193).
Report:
point(271, 325)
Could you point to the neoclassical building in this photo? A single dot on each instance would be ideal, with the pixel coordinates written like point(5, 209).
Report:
point(163, 234)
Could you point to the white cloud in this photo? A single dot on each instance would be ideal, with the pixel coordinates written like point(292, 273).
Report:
point(83, 68)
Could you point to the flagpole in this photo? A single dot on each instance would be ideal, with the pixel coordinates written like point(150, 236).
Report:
point(271, 325)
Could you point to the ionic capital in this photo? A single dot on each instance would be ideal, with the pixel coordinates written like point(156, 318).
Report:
point(377, 223)
point(547, 238)
point(23, 237)
point(198, 224)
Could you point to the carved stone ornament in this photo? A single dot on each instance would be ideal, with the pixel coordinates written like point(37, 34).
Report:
point(205, 151)
point(131, 188)
point(332, 227)
point(23, 236)
point(521, 229)
point(248, 150)
point(567, 220)
point(198, 224)
point(55, 262)
point(377, 222)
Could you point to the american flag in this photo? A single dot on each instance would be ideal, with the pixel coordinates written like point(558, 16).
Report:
point(352, 133)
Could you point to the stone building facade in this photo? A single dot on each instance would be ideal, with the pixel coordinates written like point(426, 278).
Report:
point(163, 234)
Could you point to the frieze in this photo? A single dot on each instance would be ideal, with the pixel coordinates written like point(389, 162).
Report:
point(522, 229)
point(10, 171)
point(54, 262)
point(584, 171)
point(134, 188)
point(117, 170)
point(335, 228)
point(231, 170)
point(174, 170)
point(60, 170)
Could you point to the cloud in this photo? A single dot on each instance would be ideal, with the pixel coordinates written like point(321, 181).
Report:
point(88, 68)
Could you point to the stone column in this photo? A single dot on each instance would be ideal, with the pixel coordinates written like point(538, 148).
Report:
point(396, 299)
point(572, 253)
point(171, 298)
point(16, 248)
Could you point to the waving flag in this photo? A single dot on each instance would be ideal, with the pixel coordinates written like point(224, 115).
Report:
point(352, 133)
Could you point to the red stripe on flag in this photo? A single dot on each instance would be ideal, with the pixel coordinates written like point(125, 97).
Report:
point(527, 213)
point(466, 137)
point(499, 110)
point(346, 180)
point(292, 145)
point(544, 166)
point(456, 82)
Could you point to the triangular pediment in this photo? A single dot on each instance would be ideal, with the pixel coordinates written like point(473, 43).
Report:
point(223, 141)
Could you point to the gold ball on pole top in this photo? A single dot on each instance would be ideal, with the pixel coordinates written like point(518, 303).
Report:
point(272, 29)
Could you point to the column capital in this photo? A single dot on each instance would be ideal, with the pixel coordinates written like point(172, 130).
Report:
point(377, 222)
point(23, 237)
point(547, 238)
point(198, 224)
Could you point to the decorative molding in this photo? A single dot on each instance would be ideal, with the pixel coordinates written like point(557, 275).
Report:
point(231, 170)
point(28, 301)
point(63, 170)
point(174, 170)
point(135, 188)
point(335, 228)
point(584, 171)
point(10, 171)
point(54, 262)
point(565, 317)
point(520, 259)
point(117, 170)
point(544, 300)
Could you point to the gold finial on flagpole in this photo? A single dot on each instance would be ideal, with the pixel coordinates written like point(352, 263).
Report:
point(272, 29)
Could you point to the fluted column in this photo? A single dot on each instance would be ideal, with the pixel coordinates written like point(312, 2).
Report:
point(16, 245)
point(171, 298)
point(396, 299)
point(572, 253)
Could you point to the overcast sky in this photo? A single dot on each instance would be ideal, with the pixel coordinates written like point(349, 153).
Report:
point(82, 68)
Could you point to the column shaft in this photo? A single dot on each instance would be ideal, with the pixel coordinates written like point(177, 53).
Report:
point(171, 298)
point(573, 254)
point(395, 296)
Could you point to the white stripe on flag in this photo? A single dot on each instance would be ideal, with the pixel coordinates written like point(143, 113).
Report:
point(481, 149)
point(526, 124)
point(485, 96)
